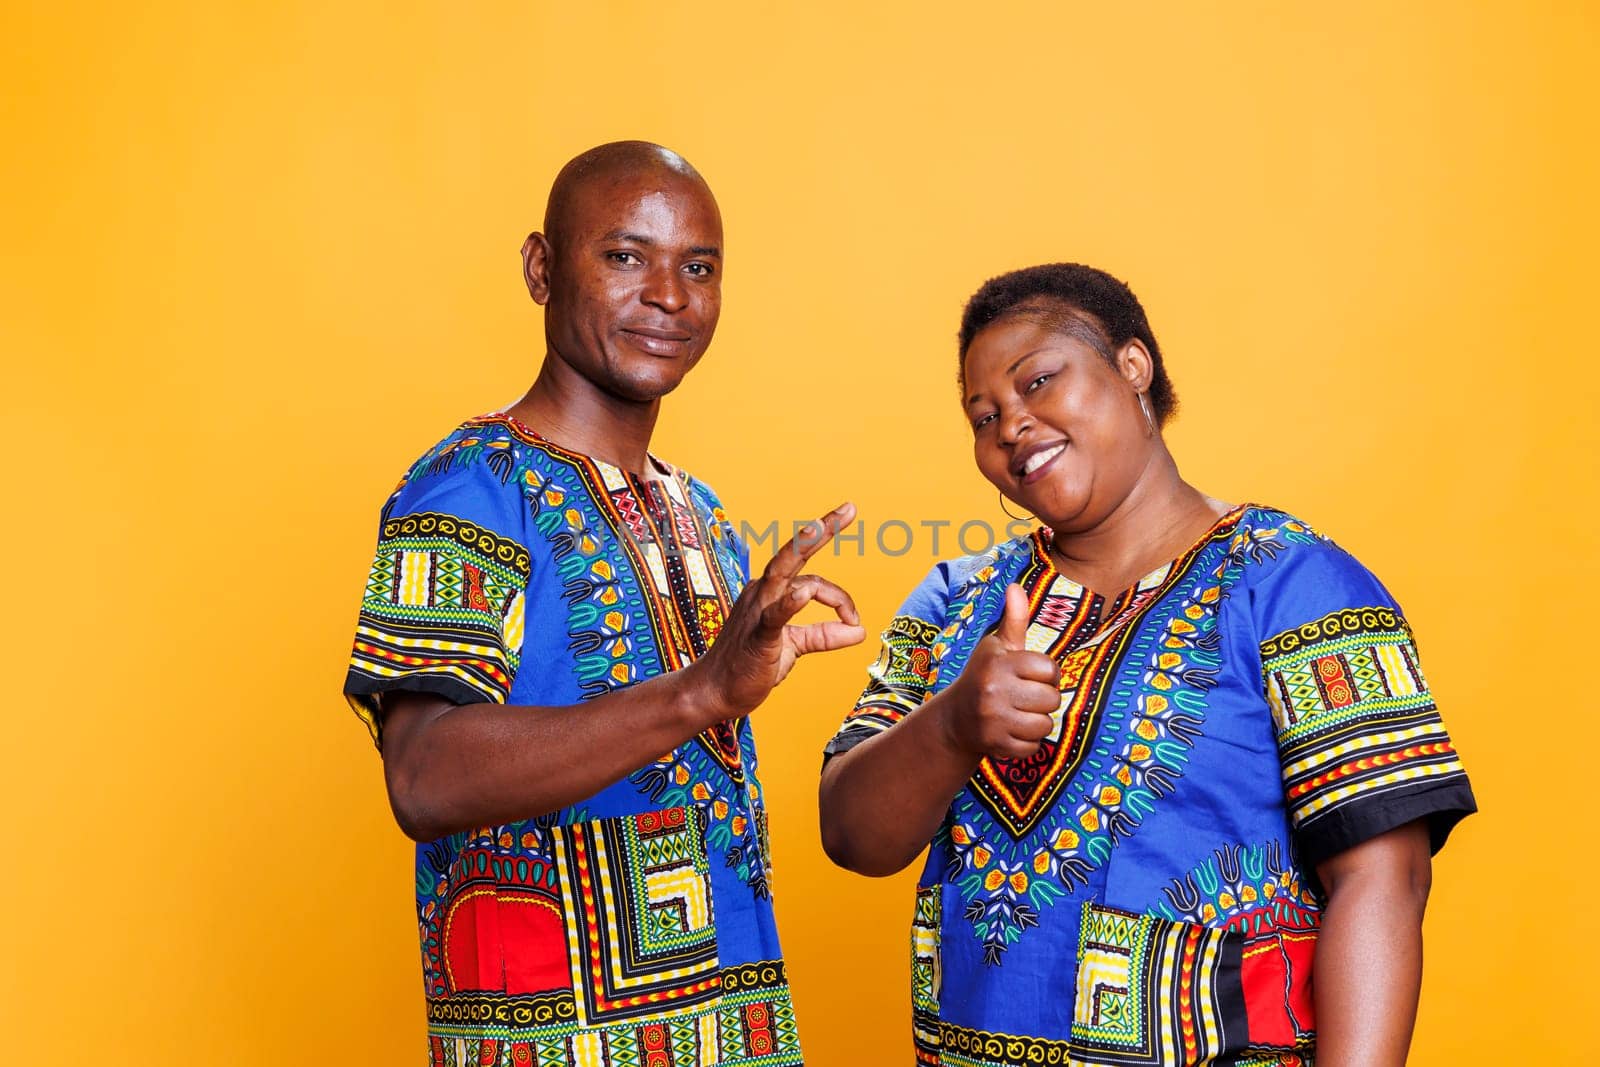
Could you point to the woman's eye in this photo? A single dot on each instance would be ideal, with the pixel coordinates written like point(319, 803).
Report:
point(1040, 380)
point(982, 421)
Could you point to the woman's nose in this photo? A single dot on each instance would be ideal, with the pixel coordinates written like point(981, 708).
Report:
point(1013, 425)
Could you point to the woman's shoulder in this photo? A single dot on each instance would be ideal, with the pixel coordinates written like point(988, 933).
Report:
point(1265, 538)
point(999, 563)
point(960, 580)
point(1293, 567)
point(1265, 520)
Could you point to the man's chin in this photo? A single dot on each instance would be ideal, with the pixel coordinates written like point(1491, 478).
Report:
point(647, 384)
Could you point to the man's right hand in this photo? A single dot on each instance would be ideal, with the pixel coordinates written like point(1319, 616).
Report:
point(1001, 705)
point(758, 645)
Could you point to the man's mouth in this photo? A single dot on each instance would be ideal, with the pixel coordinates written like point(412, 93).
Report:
point(656, 341)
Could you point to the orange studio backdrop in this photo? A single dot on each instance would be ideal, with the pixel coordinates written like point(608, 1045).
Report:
point(256, 257)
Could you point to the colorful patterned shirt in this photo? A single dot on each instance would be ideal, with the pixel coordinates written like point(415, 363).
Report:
point(1142, 890)
point(635, 927)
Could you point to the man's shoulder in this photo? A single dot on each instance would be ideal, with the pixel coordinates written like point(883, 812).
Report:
point(496, 450)
point(481, 467)
point(471, 440)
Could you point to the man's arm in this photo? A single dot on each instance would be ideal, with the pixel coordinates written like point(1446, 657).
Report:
point(1368, 969)
point(452, 767)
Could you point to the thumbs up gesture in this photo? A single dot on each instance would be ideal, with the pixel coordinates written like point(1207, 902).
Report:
point(1002, 703)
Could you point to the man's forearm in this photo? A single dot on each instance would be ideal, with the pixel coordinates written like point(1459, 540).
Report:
point(453, 768)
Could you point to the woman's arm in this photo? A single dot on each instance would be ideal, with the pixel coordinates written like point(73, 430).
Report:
point(882, 801)
point(1368, 969)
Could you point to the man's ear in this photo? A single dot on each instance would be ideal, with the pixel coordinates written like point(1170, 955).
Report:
point(1135, 365)
point(536, 257)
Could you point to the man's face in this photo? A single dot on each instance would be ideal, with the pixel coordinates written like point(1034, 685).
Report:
point(634, 288)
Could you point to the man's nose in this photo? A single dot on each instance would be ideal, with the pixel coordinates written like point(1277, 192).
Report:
point(665, 289)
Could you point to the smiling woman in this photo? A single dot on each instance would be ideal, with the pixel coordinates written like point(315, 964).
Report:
point(1166, 750)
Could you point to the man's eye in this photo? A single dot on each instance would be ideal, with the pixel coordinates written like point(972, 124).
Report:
point(626, 259)
point(699, 270)
point(1040, 380)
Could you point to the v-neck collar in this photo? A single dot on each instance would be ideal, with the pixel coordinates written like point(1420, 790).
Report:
point(1054, 579)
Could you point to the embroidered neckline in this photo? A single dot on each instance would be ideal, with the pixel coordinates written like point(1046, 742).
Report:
point(1154, 580)
point(528, 435)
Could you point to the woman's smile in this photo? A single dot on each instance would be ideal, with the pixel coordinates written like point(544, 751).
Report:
point(1036, 462)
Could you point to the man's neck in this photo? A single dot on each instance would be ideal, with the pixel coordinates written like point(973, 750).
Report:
point(571, 411)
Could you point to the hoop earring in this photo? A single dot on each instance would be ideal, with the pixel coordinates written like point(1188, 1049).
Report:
point(1149, 419)
point(1007, 510)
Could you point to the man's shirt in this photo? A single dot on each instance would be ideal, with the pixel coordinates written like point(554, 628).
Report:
point(636, 926)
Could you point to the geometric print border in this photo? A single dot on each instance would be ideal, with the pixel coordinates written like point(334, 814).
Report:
point(637, 896)
point(751, 1024)
point(1352, 711)
point(1151, 991)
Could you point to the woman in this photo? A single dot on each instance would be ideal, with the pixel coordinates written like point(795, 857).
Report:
point(1167, 751)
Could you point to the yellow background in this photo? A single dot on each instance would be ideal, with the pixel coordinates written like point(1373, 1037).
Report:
point(257, 257)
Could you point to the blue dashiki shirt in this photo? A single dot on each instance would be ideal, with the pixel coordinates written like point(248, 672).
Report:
point(1142, 889)
point(635, 927)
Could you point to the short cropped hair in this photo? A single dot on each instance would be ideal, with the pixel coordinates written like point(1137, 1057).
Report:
point(1107, 303)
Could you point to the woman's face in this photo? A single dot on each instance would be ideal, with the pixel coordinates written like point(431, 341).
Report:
point(1055, 426)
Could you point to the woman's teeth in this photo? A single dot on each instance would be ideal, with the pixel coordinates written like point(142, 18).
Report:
point(1039, 459)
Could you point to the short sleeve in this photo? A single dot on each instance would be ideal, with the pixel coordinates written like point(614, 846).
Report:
point(897, 682)
point(444, 606)
point(1362, 745)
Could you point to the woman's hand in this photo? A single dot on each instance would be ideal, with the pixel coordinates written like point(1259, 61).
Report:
point(758, 645)
point(883, 800)
point(1003, 702)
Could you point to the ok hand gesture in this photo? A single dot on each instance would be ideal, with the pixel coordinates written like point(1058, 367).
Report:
point(758, 644)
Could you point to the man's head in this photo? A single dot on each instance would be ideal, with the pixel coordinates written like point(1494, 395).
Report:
point(629, 268)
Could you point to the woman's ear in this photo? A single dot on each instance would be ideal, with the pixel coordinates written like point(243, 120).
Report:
point(1135, 365)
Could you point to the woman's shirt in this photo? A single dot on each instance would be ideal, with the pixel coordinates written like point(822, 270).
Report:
point(1141, 890)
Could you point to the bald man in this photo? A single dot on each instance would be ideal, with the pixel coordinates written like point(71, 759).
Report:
point(557, 652)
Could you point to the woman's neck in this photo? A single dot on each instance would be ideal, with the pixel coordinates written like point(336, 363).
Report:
point(1158, 519)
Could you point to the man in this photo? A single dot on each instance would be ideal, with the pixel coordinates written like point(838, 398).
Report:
point(535, 659)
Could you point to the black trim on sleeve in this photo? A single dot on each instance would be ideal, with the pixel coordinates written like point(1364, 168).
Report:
point(1343, 828)
point(845, 740)
point(364, 689)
